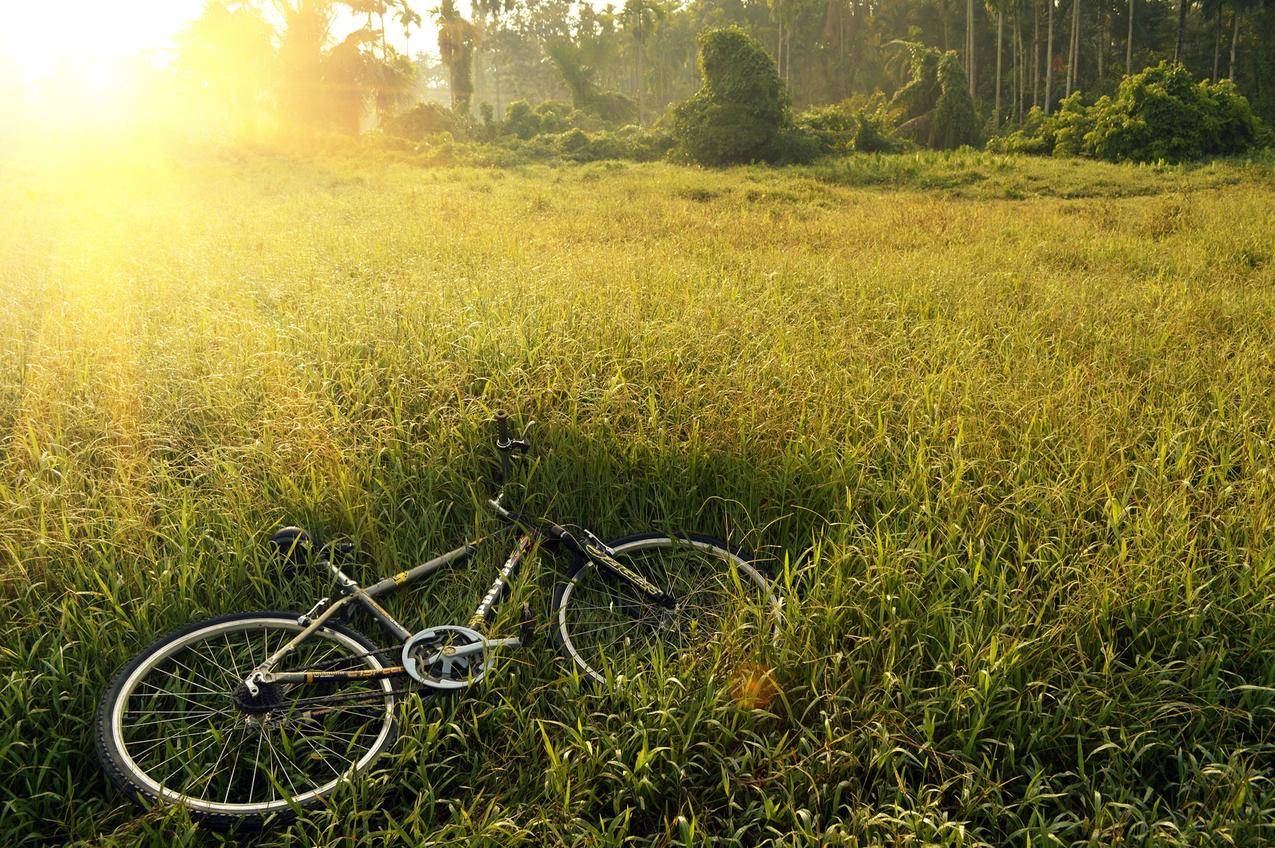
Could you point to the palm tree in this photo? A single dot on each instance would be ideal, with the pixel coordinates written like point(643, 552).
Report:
point(1215, 7)
point(1181, 41)
point(1235, 37)
point(455, 48)
point(641, 18)
point(1035, 53)
point(1128, 44)
point(1049, 57)
point(969, 43)
point(1100, 40)
point(783, 45)
point(997, 6)
point(407, 18)
point(487, 15)
point(1073, 48)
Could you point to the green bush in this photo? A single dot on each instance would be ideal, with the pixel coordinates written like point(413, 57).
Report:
point(573, 63)
point(427, 119)
point(1160, 114)
point(551, 117)
point(953, 123)
point(935, 108)
point(630, 142)
point(1035, 137)
point(519, 120)
point(850, 126)
point(740, 111)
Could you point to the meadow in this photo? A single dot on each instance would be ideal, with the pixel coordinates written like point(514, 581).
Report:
point(1002, 428)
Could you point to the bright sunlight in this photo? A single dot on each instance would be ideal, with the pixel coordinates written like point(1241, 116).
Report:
point(83, 38)
point(545, 423)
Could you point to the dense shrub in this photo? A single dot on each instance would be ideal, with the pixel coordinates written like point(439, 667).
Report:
point(1036, 136)
point(740, 111)
point(573, 63)
point(953, 123)
point(520, 121)
point(551, 117)
point(1160, 114)
point(849, 126)
point(630, 142)
point(935, 108)
point(424, 120)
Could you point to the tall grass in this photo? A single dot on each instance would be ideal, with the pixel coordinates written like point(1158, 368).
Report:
point(1010, 459)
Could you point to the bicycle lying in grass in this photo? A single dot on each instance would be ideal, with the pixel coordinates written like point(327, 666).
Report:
point(252, 715)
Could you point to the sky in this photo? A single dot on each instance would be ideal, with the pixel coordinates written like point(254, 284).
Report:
point(90, 38)
point(38, 38)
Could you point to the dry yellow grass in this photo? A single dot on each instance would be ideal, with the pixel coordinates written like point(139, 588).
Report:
point(1010, 455)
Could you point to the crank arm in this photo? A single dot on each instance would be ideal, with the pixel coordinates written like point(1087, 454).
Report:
point(476, 648)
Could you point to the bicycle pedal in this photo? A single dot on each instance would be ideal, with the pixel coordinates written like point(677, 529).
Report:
point(527, 626)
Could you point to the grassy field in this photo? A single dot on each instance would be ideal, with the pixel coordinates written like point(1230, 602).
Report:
point(1004, 430)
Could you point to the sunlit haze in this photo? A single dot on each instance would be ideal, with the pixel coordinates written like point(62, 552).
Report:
point(41, 39)
point(87, 44)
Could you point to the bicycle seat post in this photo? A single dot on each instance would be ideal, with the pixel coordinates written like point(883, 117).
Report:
point(503, 446)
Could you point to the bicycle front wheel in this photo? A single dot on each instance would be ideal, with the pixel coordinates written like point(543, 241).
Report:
point(176, 727)
point(723, 604)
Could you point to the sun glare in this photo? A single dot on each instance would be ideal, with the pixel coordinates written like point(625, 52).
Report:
point(85, 41)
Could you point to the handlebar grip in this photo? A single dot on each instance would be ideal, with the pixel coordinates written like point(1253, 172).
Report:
point(502, 427)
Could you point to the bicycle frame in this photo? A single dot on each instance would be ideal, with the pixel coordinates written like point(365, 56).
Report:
point(531, 532)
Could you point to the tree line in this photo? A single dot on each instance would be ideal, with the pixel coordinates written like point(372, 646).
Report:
point(280, 57)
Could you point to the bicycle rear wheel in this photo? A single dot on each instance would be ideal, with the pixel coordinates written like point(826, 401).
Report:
point(176, 727)
point(613, 632)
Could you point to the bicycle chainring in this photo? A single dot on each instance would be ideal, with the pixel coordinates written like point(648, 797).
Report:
point(428, 657)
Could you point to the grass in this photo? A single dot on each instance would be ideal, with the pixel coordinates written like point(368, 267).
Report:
point(1009, 453)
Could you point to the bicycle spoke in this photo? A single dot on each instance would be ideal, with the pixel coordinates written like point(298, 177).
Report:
point(612, 627)
point(256, 767)
point(197, 742)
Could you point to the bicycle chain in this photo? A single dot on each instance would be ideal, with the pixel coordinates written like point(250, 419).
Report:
point(369, 697)
point(336, 665)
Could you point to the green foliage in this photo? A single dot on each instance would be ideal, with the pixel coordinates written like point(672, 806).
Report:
point(456, 37)
point(740, 111)
point(854, 125)
point(919, 94)
point(578, 74)
point(551, 117)
point(953, 123)
point(520, 120)
point(630, 142)
point(554, 116)
point(1037, 135)
point(1072, 123)
point(984, 175)
point(1160, 114)
point(935, 108)
point(426, 119)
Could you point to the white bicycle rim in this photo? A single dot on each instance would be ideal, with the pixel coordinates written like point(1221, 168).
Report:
point(662, 542)
point(174, 797)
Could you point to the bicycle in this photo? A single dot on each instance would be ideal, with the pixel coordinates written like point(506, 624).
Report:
point(248, 716)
